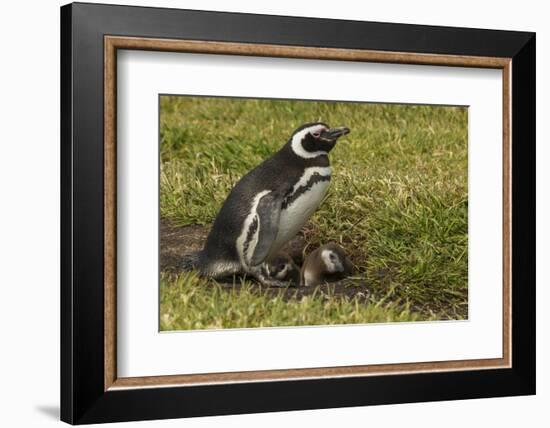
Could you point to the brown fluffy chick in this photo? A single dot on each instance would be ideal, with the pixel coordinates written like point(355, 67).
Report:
point(326, 264)
point(282, 268)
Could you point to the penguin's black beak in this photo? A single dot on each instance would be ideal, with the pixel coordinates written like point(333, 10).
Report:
point(334, 133)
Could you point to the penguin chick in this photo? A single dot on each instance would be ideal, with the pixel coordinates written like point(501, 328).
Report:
point(268, 206)
point(282, 268)
point(327, 263)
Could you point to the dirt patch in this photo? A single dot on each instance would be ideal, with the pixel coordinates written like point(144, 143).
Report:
point(175, 241)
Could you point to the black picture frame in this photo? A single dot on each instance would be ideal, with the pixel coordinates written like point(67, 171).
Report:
point(83, 398)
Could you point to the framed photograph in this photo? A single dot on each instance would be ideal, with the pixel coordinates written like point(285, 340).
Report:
point(265, 213)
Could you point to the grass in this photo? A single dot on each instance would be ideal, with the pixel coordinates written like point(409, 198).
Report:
point(189, 304)
point(397, 203)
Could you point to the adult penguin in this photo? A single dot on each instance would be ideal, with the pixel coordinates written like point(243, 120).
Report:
point(268, 206)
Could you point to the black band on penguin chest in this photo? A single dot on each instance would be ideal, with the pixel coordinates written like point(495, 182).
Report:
point(314, 179)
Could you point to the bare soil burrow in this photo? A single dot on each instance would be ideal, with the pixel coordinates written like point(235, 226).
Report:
point(175, 241)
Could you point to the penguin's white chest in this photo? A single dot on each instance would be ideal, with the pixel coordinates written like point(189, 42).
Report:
point(300, 204)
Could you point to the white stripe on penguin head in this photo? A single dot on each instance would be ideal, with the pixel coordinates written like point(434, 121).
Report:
point(332, 261)
point(297, 146)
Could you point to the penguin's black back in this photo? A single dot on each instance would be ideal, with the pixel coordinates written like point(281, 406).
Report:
point(278, 173)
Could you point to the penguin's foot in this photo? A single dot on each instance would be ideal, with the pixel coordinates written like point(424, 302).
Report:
point(258, 275)
point(270, 282)
point(274, 282)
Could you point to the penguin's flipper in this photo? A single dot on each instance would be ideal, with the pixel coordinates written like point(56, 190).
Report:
point(268, 212)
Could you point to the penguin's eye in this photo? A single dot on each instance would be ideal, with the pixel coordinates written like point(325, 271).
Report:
point(281, 267)
point(316, 134)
